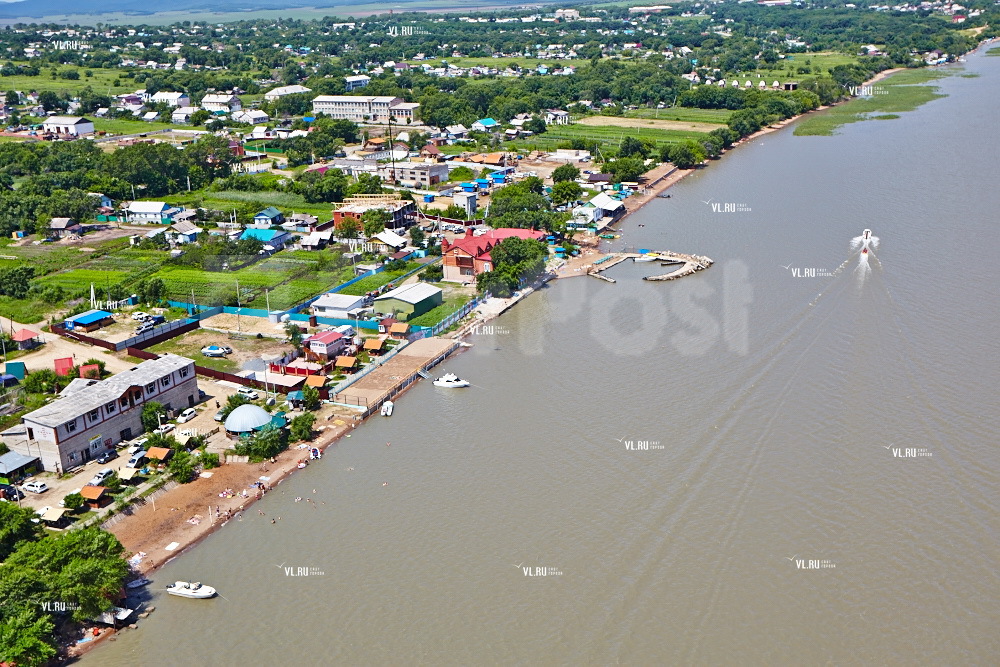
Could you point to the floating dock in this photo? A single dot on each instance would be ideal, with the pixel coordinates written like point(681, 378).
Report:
point(688, 263)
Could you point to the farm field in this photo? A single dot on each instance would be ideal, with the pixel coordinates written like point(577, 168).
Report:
point(124, 126)
point(606, 135)
point(689, 114)
point(78, 279)
point(224, 200)
point(656, 124)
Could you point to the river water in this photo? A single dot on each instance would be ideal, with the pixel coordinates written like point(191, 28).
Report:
point(760, 464)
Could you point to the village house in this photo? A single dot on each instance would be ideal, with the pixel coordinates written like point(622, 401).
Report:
point(226, 102)
point(65, 227)
point(81, 424)
point(485, 125)
point(269, 217)
point(355, 207)
point(387, 241)
point(273, 239)
point(185, 231)
point(145, 212)
point(465, 258)
point(171, 99)
point(556, 117)
point(183, 114)
point(74, 126)
point(251, 117)
point(326, 345)
point(338, 306)
point(281, 91)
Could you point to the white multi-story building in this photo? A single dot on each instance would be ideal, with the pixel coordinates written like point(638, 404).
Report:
point(281, 91)
point(356, 81)
point(172, 99)
point(92, 416)
point(361, 108)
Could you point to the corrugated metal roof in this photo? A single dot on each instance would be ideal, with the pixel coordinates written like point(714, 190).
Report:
point(413, 293)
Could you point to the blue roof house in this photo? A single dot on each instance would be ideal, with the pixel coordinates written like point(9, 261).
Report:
point(485, 125)
point(269, 217)
point(273, 238)
point(90, 320)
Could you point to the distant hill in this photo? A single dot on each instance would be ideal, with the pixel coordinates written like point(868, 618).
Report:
point(140, 8)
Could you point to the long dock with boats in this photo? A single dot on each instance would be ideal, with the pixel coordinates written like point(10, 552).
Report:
point(685, 264)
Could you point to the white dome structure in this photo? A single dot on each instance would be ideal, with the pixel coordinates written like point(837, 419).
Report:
point(246, 418)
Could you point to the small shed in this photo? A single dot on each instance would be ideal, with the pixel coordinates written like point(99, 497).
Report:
point(55, 517)
point(159, 453)
point(399, 330)
point(374, 346)
point(14, 466)
point(348, 364)
point(96, 496)
point(26, 339)
point(63, 366)
point(90, 371)
point(17, 369)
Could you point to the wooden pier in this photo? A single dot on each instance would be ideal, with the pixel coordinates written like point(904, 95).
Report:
point(688, 263)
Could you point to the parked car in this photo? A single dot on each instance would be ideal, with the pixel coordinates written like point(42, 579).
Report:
point(163, 429)
point(143, 328)
point(10, 492)
point(100, 477)
point(140, 316)
point(35, 486)
point(248, 392)
point(187, 416)
point(107, 456)
point(137, 459)
point(137, 445)
point(219, 416)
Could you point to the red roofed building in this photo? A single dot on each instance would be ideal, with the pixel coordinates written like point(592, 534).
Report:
point(327, 344)
point(467, 257)
point(26, 339)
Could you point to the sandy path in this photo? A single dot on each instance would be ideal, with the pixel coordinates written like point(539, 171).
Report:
point(692, 126)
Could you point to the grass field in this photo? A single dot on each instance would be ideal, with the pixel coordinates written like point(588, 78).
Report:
point(684, 114)
point(438, 313)
point(903, 94)
point(102, 81)
point(26, 311)
point(78, 279)
point(123, 126)
point(372, 283)
point(609, 136)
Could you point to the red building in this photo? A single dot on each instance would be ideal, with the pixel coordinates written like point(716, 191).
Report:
point(465, 258)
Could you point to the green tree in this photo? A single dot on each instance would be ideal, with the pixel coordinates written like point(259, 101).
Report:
point(150, 415)
point(566, 172)
point(416, 235)
point(181, 467)
point(233, 402)
point(73, 502)
point(263, 444)
point(685, 155)
point(294, 333)
point(310, 397)
point(536, 125)
point(300, 427)
point(16, 526)
point(565, 192)
point(374, 221)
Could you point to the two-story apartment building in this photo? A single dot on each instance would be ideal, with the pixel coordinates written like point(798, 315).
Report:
point(92, 416)
point(360, 108)
point(414, 174)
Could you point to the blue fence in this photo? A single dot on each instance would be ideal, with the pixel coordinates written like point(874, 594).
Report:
point(371, 325)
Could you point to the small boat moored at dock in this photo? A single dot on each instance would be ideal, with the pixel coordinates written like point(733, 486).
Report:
point(186, 589)
point(451, 381)
point(386, 410)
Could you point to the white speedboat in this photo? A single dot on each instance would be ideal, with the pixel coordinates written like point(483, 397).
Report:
point(866, 235)
point(646, 258)
point(138, 583)
point(386, 410)
point(451, 381)
point(187, 589)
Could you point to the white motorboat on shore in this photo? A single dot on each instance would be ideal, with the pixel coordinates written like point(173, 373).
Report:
point(451, 381)
point(386, 410)
point(138, 583)
point(186, 589)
